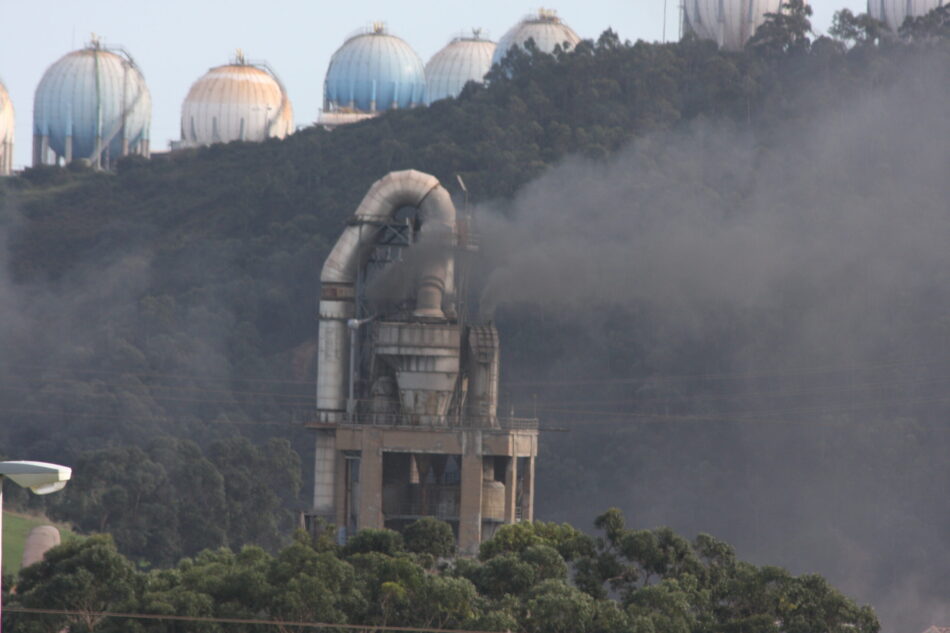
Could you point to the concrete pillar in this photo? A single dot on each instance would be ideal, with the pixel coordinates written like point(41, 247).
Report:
point(371, 481)
point(470, 507)
point(40, 147)
point(69, 149)
point(324, 473)
point(511, 492)
point(340, 488)
point(527, 509)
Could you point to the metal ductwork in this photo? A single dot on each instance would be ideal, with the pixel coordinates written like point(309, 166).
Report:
point(437, 220)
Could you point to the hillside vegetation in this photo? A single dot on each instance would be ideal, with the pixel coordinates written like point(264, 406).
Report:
point(159, 328)
point(627, 580)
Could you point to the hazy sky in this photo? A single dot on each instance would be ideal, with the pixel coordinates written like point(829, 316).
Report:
point(176, 41)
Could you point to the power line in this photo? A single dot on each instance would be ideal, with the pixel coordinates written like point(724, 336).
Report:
point(744, 395)
point(739, 375)
point(165, 375)
point(116, 416)
point(292, 400)
point(196, 618)
point(797, 371)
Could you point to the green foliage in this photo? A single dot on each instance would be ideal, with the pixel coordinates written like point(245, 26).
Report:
point(430, 536)
point(383, 541)
point(173, 500)
point(174, 298)
point(87, 576)
point(516, 538)
point(527, 590)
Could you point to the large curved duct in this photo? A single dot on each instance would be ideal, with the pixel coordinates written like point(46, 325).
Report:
point(398, 189)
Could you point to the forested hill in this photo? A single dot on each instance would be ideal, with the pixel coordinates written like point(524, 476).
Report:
point(162, 316)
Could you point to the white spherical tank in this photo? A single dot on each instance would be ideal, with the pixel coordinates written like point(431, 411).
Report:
point(729, 23)
point(91, 104)
point(236, 102)
point(464, 59)
point(7, 129)
point(894, 12)
point(544, 27)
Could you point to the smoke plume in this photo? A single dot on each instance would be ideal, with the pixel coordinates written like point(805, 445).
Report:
point(749, 338)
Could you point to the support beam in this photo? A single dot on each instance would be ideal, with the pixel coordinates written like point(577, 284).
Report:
point(324, 473)
point(527, 502)
point(511, 496)
point(470, 507)
point(371, 481)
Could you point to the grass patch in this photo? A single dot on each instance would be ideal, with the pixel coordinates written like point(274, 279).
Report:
point(16, 527)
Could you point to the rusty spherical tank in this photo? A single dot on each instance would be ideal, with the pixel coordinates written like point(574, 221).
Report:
point(236, 102)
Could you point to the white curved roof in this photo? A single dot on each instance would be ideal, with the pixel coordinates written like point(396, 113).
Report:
point(462, 60)
point(544, 27)
point(729, 23)
point(235, 102)
point(894, 12)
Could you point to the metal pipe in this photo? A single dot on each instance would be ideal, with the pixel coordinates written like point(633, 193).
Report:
point(399, 189)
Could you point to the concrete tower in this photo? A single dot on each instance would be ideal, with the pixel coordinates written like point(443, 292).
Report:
point(407, 390)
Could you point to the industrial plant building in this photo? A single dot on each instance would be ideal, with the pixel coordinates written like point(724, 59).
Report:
point(894, 12)
point(92, 104)
point(7, 130)
point(407, 422)
point(240, 101)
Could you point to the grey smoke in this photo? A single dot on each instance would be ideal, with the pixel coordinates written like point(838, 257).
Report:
point(824, 246)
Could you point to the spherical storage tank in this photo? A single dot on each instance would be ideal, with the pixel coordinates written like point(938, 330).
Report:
point(372, 72)
point(894, 12)
point(91, 104)
point(545, 28)
point(464, 59)
point(729, 23)
point(236, 102)
point(7, 128)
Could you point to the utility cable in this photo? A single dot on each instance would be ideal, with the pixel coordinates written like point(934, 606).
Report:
point(196, 618)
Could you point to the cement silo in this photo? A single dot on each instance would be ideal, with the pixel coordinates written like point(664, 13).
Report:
point(894, 12)
point(7, 128)
point(729, 23)
point(462, 60)
point(372, 72)
point(545, 28)
point(240, 101)
point(91, 104)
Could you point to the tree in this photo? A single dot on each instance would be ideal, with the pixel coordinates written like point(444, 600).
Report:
point(430, 536)
point(857, 30)
point(87, 576)
point(784, 32)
